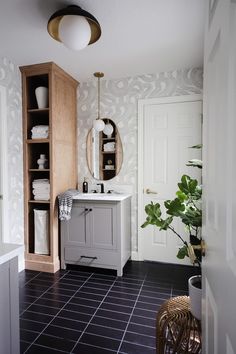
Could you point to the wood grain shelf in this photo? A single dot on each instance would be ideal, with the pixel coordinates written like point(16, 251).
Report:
point(39, 201)
point(38, 170)
point(38, 110)
point(37, 141)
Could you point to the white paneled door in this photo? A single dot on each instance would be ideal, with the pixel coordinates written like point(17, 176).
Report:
point(167, 129)
point(219, 160)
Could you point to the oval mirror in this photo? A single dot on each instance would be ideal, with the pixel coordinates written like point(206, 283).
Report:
point(104, 151)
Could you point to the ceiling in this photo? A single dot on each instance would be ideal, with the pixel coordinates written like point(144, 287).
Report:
point(138, 36)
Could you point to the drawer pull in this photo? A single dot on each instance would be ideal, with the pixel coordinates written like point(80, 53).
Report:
point(86, 209)
point(88, 257)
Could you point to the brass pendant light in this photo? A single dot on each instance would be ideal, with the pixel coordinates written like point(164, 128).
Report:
point(98, 123)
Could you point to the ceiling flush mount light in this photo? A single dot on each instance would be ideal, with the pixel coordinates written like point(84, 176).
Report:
point(74, 27)
point(98, 123)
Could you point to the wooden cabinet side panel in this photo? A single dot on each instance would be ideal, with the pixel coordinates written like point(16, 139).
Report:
point(63, 169)
point(25, 160)
point(63, 134)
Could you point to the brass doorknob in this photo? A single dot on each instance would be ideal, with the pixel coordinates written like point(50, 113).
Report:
point(149, 191)
point(201, 247)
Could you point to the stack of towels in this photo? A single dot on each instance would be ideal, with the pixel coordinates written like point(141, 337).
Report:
point(40, 132)
point(41, 189)
point(109, 147)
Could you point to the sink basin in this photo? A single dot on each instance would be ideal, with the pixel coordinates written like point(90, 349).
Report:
point(101, 196)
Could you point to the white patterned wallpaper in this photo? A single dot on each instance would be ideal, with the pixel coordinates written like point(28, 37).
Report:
point(11, 81)
point(119, 101)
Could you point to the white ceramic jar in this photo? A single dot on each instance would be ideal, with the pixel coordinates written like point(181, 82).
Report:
point(41, 94)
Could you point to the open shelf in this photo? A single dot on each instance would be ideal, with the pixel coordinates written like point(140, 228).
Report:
point(38, 110)
point(40, 201)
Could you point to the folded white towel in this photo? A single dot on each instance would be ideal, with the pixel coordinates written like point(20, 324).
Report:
point(40, 132)
point(109, 146)
point(40, 128)
point(41, 192)
point(39, 136)
point(42, 187)
point(40, 180)
point(42, 197)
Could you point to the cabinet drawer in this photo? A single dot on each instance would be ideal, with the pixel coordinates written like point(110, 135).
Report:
point(77, 255)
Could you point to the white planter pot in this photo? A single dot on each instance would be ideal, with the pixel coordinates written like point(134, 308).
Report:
point(41, 94)
point(195, 295)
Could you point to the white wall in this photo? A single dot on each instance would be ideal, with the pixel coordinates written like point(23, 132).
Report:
point(119, 101)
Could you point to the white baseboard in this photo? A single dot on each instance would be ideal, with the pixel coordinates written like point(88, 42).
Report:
point(135, 256)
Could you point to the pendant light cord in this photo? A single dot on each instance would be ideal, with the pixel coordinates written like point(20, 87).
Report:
point(98, 98)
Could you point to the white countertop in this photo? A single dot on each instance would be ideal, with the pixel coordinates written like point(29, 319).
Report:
point(9, 251)
point(113, 197)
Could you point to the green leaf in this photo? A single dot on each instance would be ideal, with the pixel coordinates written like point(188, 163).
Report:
point(194, 163)
point(189, 186)
point(166, 223)
point(183, 252)
point(192, 217)
point(198, 146)
point(174, 207)
point(181, 196)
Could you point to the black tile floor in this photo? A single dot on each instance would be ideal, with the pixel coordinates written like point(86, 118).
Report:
point(87, 311)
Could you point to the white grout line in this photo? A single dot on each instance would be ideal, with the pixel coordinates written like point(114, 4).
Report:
point(44, 346)
point(116, 284)
point(95, 346)
point(38, 297)
point(92, 317)
point(121, 342)
point(54, 316)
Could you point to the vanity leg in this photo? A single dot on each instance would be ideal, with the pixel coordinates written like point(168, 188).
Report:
point(120, 272)
point(63, 265)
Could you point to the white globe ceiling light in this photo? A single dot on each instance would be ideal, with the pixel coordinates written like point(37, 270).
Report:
point(74, 27)
point(69, 27)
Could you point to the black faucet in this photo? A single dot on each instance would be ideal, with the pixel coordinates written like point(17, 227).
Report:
point(102, 187)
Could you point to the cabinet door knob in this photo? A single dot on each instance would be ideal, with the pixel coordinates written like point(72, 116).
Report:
point(90, 209)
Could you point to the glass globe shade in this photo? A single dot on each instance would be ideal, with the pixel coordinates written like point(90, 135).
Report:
point(74, 32)
point(108, 129)
point(98, 125)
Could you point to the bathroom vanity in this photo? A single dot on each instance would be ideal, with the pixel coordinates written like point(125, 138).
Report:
point(9, 298)
point(98, 233)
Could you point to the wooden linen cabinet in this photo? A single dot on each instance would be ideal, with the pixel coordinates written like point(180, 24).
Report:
point(59, 148)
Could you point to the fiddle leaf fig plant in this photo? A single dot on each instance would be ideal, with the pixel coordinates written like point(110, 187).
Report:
point(185, 206)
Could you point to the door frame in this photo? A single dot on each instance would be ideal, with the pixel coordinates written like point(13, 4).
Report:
point(4, 166)
point(141, 106)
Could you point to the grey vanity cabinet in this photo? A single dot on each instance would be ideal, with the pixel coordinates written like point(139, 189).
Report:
point(97, 235)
